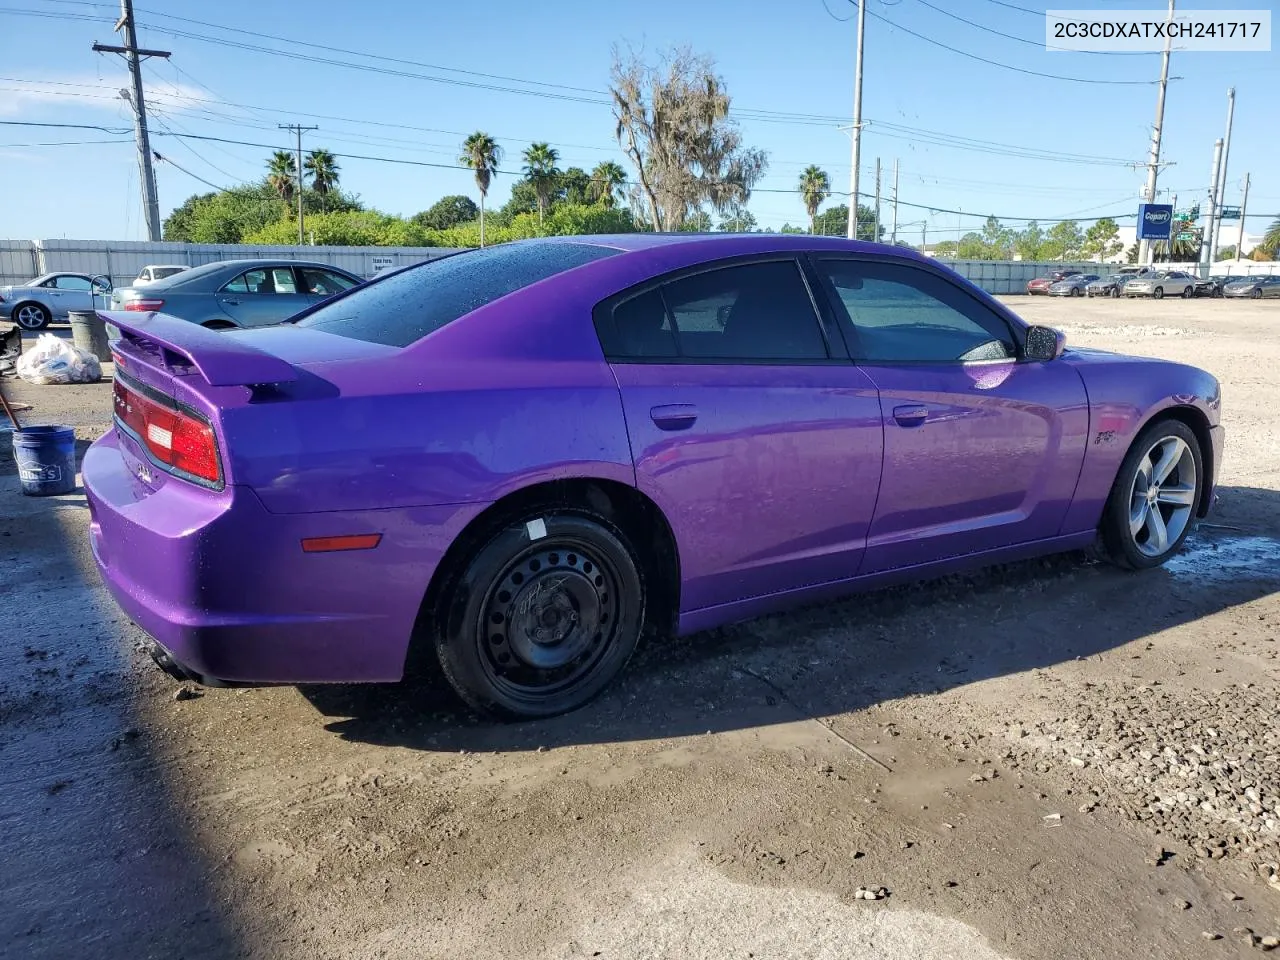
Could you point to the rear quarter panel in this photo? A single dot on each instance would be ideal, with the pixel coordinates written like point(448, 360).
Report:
point(1125, 394)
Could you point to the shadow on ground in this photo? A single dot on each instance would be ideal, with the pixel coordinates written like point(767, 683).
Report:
point(839, 657)
point(96, 854)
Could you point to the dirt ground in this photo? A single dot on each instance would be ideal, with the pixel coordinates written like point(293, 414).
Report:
point(1047, 760)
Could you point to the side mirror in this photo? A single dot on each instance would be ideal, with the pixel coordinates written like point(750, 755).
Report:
point(1044, 343)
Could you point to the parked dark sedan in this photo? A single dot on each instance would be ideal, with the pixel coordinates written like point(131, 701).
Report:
point(1108, 286)
point(238, 293)
point(1211, 286)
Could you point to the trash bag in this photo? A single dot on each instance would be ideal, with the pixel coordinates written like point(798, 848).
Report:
point(54, 360)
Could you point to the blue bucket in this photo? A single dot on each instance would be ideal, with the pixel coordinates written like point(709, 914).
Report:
point(46, 460)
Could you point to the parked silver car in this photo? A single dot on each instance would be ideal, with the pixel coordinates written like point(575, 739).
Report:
point(1162, 283)
point(1072, 286)
point(37, 303)
point(238, 293)
point(157, 271)
point(1255, 288)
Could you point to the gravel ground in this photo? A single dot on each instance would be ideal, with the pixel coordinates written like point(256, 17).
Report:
point(1045, 760)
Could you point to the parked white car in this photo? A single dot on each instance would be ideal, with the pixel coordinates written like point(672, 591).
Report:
point(1162, 283)
point(158, 271)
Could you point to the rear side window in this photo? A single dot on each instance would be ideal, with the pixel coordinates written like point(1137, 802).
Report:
point(400, 308)
point(757, 312)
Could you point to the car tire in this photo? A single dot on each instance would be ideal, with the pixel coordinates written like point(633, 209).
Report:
point(1133, 538)
point(1217, 291)
point(1188, 293)
point(543, 618)
point(1256, 295)
point(1075, 291)
point(1115, 292)
point(31, 316)
point(1158, 293)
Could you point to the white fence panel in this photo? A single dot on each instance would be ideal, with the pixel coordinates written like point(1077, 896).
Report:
point(17, 261)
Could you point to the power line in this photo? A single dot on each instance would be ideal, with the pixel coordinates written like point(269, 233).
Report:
point(1005, 66)
point(1034, 43)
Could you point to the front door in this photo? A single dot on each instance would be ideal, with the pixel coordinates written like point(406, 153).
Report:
point(70, 293)
point(758, 441)
point(980, 450)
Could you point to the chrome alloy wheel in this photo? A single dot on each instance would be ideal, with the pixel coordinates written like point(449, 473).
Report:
point(1163, 497)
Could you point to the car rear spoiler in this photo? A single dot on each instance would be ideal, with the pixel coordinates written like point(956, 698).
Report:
point(223, 361)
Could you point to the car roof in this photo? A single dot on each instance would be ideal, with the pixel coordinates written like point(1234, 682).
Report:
point(732, 244)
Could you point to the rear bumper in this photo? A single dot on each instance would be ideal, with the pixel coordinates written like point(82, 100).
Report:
point(226, 591)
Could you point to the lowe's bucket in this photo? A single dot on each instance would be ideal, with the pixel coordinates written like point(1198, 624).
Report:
point(46, 460)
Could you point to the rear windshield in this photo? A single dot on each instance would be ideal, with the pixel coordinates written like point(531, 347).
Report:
point(403, 307)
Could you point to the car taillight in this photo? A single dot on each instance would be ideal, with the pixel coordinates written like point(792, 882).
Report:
point(175, 438)
point(143, 306)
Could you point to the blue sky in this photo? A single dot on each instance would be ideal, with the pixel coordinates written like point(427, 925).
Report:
point(790, 57)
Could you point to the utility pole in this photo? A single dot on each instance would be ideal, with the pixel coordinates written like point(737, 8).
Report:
point(1216, 224)
point(893, 234)
point(134, 57)
point(857, 123)
point(1244, 202)
point(1206, 235)
point(1153, 164)
point(924, 235)
point(875, 232)
point(299, 130)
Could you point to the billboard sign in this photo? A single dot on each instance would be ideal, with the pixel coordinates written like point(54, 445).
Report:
point(1155, 221)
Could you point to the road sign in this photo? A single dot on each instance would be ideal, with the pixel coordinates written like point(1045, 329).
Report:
point(1155, 221)
point(1230, 213)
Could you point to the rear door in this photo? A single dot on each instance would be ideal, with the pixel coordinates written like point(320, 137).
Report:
point(749, 427)
point(262, 296)
point(980, 450)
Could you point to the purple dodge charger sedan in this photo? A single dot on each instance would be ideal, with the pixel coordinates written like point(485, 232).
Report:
point(524, 457)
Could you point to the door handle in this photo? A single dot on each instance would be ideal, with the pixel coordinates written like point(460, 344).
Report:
point(911, 415)
point(231, 300)
point(674, 416)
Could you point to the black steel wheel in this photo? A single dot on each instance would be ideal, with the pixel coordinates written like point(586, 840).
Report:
point(543, 618)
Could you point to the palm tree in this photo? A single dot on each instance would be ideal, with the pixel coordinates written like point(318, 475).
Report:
point(282, 174)
point(541, 170)
point(607, 181)
point(815, 186)
point(323, 168)
point(1270, 240)
point(481, 153)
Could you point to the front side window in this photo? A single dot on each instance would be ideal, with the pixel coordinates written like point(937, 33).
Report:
point(895, 313)
point(323, 283)
point(74, 283)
